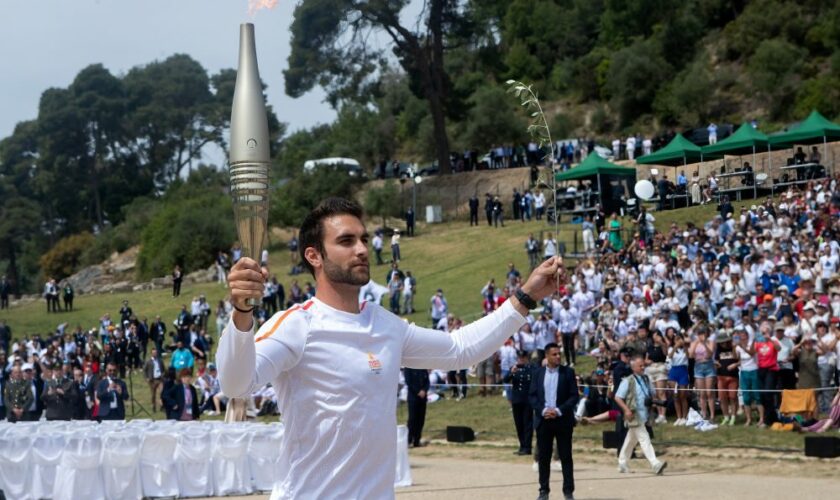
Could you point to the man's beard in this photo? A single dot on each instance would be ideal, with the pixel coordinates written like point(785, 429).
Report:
point(355, 276)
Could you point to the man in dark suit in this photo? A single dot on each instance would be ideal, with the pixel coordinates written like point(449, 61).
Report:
point(36, 385)
point(59, 395)
point(473, 203)
point(523, 415)
point(554, 396)
point(112, 394)
point(417, 383)
point(182, 398)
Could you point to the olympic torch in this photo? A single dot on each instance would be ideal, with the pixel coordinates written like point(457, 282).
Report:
point(249, 152)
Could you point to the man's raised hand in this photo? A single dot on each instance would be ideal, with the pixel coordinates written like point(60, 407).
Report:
point(544, 279)
point(246, 280)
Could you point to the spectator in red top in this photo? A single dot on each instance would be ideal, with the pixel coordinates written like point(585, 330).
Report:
point(766, 349)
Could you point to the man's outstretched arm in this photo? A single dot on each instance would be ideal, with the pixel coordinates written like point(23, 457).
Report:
point(427, 348)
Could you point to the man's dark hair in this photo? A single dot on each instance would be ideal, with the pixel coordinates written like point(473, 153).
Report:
point(551, 345)
point(312, 227)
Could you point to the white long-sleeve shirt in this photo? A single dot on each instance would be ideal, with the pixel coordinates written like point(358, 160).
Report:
point(336, 377)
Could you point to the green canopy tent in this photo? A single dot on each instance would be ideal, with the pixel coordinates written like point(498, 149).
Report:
point(605, 175)
point(679, 152)
point(815, 129)
point(745, 140)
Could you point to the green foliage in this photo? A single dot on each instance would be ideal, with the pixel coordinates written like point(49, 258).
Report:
point(292, 201)
point(687, 98)
point(493, 119)
point(634, 77)
point(563, 125)
point(64, 257)
point(774, 69)
point(193, 222)
point(383, 201)
point(822, 93)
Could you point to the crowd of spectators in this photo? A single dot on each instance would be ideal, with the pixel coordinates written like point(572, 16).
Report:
point(726, 314)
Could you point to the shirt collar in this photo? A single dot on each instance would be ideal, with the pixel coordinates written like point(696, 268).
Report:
point(551, 370)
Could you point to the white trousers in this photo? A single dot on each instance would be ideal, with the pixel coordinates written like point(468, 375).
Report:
point(588, 241)
point(637, 435)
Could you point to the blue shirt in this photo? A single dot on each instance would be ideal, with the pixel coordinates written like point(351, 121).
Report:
point(182, 358)
point(643, 391)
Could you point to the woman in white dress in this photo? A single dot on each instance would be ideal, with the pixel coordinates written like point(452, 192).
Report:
point(695, 188)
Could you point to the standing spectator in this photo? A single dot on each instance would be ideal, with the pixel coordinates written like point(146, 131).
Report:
point(294, 245)
point(549, 247)
point(766, 349)
point(5, 290)
point(488, 208)
point(409, 290)
point(17, 395)
point(439, 308)
point(125, 313)
point(279, 294)
point(223, 309)
point(517, 202)
point(568, 322)
point(702, 351)
point(111, 395)
point(5, 338)
point(417, 384)
point(633, 396)
point(539, 204)
point(396, 278)
point(409, 222)
point(615, 233)
point(377, 246)
point(616, 149)
point(678, 376)
point(157, 333)
point(498, 212)
point(36, 386)
point(59, 395)
point(153, 373)
point(68, 294)
point(588, 232)
point(532, 247)
point(177, 277)
point(236, 252)
point(395, 246)
point(182, 357)
point(553, 396)
point(726, 364)
point(523, 415)
point(222, 266)
point(712, 129)
point(83, 382)
point(630, 144)
point(51, 295)
point(183, 398)
point(473, 204)
point(647, 146)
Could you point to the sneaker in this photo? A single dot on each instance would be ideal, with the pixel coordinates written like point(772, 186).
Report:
point(659, 468)
point(661, 420)
point(731, 420)
point(678, 422)
point(623, 469)
point(556, 465)
point(535, 467)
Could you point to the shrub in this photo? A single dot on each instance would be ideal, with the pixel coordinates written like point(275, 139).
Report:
point(64, 258)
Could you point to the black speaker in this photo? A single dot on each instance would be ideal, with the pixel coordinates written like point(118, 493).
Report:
point(611, 440)
point(822, 446)
point(456, 434)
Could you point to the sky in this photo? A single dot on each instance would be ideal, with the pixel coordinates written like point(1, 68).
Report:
point(45, 43)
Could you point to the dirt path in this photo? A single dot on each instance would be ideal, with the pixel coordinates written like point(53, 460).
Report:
point(437, 478)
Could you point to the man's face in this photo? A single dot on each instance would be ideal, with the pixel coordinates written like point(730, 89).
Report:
point(552, 357)
point(28, 374)
point(638, 365)
point(77, 375)
point(111, 371)
point(16, 374)
point(345, 258)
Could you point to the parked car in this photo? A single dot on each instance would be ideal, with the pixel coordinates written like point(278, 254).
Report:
point(349, 165)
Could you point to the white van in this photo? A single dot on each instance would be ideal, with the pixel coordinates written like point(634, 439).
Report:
point(349, 165)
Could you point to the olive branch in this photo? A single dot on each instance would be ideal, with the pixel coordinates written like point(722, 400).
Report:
point(539, 131)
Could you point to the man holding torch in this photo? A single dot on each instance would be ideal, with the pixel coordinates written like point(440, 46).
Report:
point(335, 362)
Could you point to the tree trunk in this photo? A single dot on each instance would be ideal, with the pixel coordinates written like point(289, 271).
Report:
point(11, 270)
point(441, 138)
point(436, 88)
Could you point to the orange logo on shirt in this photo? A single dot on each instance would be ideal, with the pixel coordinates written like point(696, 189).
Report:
point(374, 364)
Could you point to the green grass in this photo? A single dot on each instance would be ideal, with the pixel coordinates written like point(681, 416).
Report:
point(453, 256)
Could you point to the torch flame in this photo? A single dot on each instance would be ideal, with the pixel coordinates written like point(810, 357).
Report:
point(255, 5)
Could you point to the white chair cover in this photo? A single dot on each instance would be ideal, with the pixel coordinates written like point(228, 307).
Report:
point(79, 473)
point(194, 464)
point(264, 457)
point(120, 459)
point(157, 464)
point(15, 453)
point(403, 476)
point(231, 471)
point(45, 456)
